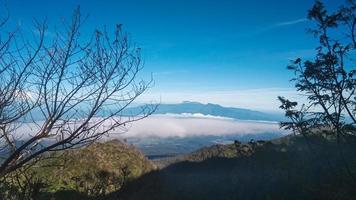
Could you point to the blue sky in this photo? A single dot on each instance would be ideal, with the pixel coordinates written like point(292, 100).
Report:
point(220, 51)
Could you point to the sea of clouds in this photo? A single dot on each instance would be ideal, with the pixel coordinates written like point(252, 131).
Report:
point(176, 125)
point(185, 125)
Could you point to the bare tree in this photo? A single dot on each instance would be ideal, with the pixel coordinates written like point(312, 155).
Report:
point(63, 90)
point(328, 82)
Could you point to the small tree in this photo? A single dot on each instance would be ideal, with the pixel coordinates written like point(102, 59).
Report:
point(64, 91)
point(329, 80)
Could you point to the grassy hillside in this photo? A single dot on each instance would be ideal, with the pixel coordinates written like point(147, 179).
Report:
point(280, 169)
point(88, 172)
point(238, 149)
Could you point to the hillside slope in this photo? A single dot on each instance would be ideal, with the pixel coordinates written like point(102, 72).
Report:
point(280, 169)
point(112, 163)
point(93, 171)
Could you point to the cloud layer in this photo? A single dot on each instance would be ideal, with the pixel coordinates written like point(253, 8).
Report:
point(184, 125)
point(176, 125)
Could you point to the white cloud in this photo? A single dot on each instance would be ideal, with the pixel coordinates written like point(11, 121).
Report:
point(184, 125)
point(173, 125)
point(292, 22)
point(282, 24)
point(193, 115)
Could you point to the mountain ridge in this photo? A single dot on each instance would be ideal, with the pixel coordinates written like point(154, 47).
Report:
point(211, 109)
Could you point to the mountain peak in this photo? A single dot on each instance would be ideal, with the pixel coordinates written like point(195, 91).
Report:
point(201, 104)
point(191, 102)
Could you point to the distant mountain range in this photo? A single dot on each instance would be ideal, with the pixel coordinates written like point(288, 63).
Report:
point(193, 108)
point(213, 109)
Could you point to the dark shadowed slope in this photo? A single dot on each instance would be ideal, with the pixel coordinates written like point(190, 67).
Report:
point(284, 169)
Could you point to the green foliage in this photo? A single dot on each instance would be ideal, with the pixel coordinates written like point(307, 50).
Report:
point(328, 80)
point(93, 171)
point(23, 183)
